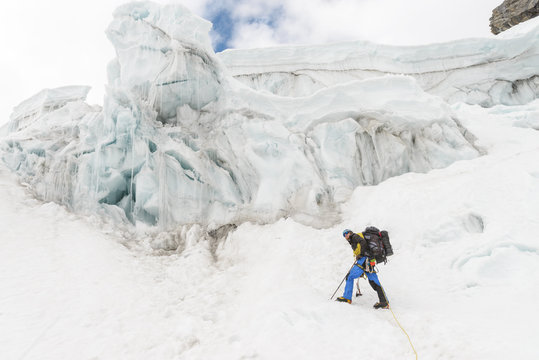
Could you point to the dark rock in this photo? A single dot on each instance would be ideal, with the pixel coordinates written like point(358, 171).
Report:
point(511, 13)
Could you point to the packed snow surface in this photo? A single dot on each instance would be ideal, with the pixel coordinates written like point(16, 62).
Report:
point(198, 215)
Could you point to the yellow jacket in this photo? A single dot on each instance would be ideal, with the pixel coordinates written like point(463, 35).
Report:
point(358, 244)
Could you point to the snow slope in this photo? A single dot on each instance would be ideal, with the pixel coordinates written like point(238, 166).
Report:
point(462, 282)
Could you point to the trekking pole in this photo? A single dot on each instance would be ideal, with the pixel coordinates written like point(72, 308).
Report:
point(344, 278)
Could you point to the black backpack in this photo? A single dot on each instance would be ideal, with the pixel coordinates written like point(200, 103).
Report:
point(378, 244)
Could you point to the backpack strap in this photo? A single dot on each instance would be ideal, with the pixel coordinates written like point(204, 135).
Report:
point(357, 250)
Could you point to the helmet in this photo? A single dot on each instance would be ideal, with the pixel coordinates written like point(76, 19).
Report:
point(345, 231)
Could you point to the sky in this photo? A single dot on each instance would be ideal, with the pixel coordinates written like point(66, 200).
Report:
point(47, 44)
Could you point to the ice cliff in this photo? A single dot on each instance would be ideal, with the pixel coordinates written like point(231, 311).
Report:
point(502, 70)
point(181, 141)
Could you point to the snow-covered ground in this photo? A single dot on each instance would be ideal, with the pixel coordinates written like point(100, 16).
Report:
point(463, 280)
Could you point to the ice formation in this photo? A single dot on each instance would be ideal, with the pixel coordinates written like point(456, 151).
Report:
point(45, 101)
point(501, 70)
point(180, 141)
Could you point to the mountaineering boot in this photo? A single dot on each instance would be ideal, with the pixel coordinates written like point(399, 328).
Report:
point(381, 306)
point(342, 299)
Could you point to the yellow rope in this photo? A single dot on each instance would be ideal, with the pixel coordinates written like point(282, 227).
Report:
point(398, 323)
point(392, 313)
point(404, 331)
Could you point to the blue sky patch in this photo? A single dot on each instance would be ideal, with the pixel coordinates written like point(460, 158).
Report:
point(223, 27)
point(224, 23)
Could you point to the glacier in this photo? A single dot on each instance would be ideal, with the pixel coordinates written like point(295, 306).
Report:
point(184, 137)
point(487, 72)
point(464, 233)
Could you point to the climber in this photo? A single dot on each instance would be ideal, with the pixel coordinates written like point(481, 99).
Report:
point(364, 264)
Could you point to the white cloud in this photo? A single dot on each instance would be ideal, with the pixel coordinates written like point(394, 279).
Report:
point(394, 22)
point(254, 35)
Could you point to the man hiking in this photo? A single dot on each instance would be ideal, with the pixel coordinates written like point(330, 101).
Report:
point(364, 264)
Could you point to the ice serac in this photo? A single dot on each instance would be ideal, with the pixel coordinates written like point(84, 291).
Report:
point(45, 101)
point(179, 141)
point(502, 70)
point(164, 57)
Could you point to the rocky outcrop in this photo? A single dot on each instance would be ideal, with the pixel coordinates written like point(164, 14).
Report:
point(511, 13)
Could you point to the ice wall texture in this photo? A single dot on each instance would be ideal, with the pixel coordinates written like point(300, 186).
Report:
point(502, 70)
point(44, 102)
point(179, 141)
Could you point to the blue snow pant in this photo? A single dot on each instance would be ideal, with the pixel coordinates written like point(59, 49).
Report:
point(356, 272)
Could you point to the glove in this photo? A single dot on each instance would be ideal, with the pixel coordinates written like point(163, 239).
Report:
point(347, 276)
